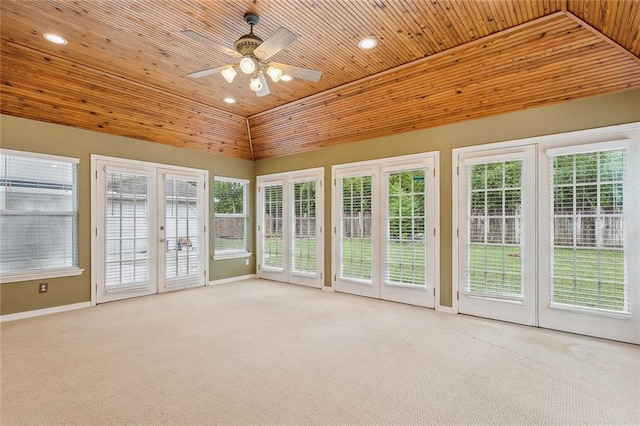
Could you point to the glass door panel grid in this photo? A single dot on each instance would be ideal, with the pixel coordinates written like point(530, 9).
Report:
point(127, 230)
point(304, 232)
point(182, 244)
point(355, 227)
point(494, 242)
point(272, 227)
point(588, 252)
point(405, 245)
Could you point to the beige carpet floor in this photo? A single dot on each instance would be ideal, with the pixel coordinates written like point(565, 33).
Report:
point(265, 353)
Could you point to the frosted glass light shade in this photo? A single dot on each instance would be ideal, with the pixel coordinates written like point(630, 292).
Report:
point(255, 85)
point(275, 73)
point(229, 74)
point(248, 65)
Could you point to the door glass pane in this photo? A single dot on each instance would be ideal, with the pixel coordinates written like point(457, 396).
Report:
point(355, 227)
point(304, 231)
point(494, 240)
point(272, 236)
point(405, 248)
point(182, 244)
point(127, 230)
point(588, 267)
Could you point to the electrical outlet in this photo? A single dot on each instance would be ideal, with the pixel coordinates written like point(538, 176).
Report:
point(43, 288)
point(246, 262)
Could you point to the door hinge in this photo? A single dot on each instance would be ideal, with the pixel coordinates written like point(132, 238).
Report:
point(334, 277)
point(434, 172)
point(258, 228)
point(458, 170)
point(96, 232)
point(457, 233)
point(96, 175)
point(334, 182)
point(320, 275)
point(205, 273)
point(205, 228)
point(434, 232)
point(434, 292)
point(258, 266)
point(457, 295)
point(334, 229)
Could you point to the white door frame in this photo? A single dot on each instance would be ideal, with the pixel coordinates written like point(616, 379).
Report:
point(152, 169)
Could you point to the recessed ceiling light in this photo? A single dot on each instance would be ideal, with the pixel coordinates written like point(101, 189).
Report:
point(368, 43)
point(229, 100)
point(286, 77)
point(55, 38)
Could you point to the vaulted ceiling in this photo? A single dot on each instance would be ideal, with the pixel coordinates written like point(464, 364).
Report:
point(124, 68)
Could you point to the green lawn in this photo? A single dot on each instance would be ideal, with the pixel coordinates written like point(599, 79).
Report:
point(493, 270)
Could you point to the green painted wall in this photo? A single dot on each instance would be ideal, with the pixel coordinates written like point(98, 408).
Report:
point(569, 116)
point(29, 135)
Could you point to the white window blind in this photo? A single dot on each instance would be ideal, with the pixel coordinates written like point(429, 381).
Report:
point(494, 236)
point(127, 263)
point(304, 246)
point(38, 213)
point(182, 230)
point(355, 227)
point(231, 218)
point(405, 247)
point(272, 227)
point(588, 243)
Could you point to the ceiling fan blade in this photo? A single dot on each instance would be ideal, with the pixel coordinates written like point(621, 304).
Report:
point(210, 43)
point(275, 43)
point(265, 87)
point(299, 72)
point(204, 73)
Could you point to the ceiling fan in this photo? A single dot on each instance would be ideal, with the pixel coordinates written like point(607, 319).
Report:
point(254, 54)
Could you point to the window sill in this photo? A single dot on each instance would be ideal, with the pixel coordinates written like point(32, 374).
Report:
point(232, 255)
point(40, 275)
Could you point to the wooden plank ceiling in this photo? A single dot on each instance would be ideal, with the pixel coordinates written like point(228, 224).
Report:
point(439, 61)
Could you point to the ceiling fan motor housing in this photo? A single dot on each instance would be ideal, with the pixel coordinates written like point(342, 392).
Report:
point(246, 44)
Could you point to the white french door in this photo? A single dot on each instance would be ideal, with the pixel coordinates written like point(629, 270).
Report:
point(548, 232)
point(496, 234)
point(590, 239)
point(385, 229)
point(290, 227)
point(150, 231)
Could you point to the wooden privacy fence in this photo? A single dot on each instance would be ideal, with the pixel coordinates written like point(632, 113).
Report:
point(589, 231)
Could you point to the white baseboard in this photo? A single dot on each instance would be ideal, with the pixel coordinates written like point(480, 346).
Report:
point(233, 279)
point(45, 311)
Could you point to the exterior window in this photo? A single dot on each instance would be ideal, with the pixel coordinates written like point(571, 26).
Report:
point(38, 216)
point(231, 219)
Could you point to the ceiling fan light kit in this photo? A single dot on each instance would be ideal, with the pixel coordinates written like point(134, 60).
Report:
point(229, 73)
point(254, 53)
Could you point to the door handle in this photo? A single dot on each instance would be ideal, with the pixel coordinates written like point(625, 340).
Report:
point(162, 240)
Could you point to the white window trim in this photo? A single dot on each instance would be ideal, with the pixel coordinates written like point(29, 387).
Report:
point(39, 274)
point(233, 253)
